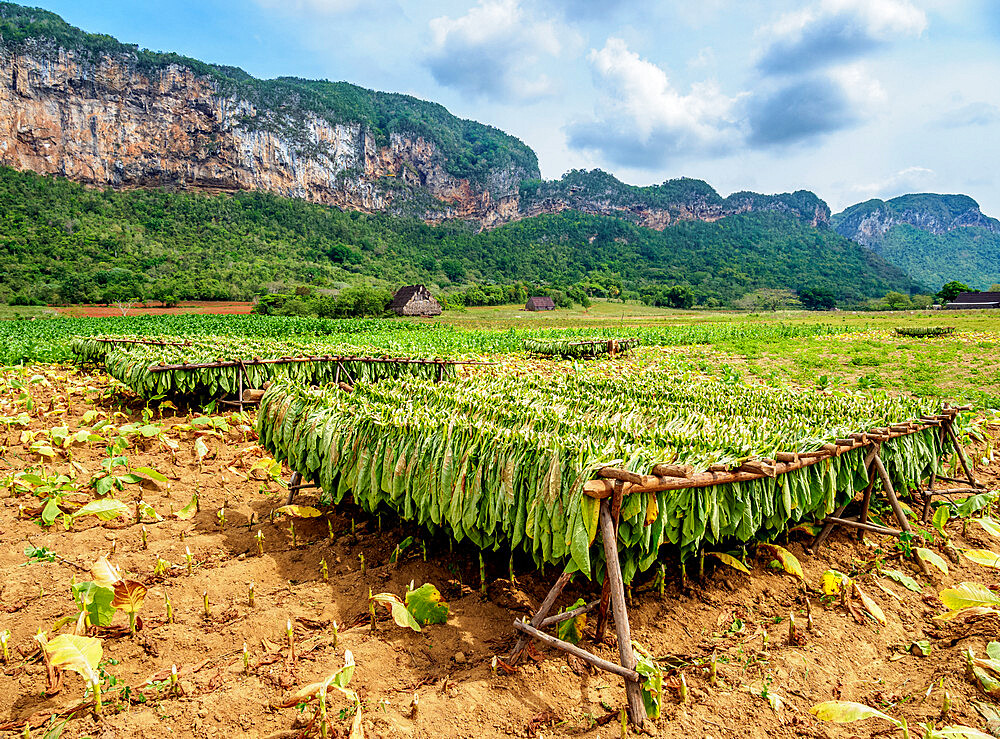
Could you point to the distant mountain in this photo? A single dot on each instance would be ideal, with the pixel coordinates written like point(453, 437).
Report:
point(933, 238)
point(659, 206)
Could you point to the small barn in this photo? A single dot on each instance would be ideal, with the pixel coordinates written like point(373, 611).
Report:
point(414, 300)
point(540, 303)
point(971, 301)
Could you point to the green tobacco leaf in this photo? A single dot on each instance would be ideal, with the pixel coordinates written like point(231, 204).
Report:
point(145, 509)
point(959, 732)
point(969, 595)
point(974, 503)
point(150, 473)
point(426, 606)
point(730, 560)
point(400, 615)
point(652, 681)
point(993, 650)
point(845, 712)
point(50, 512)
point(571, 630)
point(96, 601)
point(941, 516)
point(903, 579)
point(932, 558)
point(106, 509)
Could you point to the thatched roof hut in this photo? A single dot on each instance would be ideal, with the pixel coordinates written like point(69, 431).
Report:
point(414, 300)
point(540, 303)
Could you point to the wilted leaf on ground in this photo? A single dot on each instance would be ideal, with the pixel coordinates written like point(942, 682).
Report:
point(79, 654)
point(129, 595)
point(983, 557)
point(932, 558)
point(400, 615)
point(105, 574)
point(990, 525)
point(903, 579)
point(571, 629)
point(188, 511)
point(299, 511)
point(834, 581)
point(870, 605)
point(105, 509)
point(730, 560)
point(968, 595)
point(845, 712)
point(789, 562)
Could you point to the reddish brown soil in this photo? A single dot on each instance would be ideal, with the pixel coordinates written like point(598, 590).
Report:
point(194, 306)
point(743, 619)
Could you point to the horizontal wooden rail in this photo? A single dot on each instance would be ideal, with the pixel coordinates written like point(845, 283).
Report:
point(634, 482)
point(293, 360)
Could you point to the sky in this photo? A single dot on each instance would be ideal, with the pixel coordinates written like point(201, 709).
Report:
point(852, 99)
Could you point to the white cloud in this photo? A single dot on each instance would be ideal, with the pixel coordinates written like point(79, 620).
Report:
point(834, 31)
point(646, 120)
point(911, 179)
point(495, 50)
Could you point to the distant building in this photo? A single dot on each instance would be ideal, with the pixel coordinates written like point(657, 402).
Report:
point(970, 301)
point(540, 303)
point(415, 300)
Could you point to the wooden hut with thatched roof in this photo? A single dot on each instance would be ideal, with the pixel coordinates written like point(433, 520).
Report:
point(540, 303)
point(415, 300)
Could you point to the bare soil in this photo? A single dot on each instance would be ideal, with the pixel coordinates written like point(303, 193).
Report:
point(441, 681)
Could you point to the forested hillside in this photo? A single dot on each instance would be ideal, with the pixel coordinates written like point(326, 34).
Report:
point(62, 242)
point(970, 255)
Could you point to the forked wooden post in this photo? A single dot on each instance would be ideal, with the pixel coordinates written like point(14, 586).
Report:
point(615, 586)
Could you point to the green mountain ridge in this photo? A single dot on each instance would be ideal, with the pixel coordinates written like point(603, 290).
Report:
point(933, 238)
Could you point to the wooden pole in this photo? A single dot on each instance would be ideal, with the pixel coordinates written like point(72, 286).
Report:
point(631, 676)
point(602, 613)
point(559, 618)
point(539, 617)
point(961, 455)
point(634, 706)
point(890, 493)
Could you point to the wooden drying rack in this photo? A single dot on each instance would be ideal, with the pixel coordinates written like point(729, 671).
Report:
point(614, 483)
point(243, 399)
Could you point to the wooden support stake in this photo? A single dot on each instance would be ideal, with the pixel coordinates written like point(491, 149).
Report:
point(602, 613)
point(294, 483)
point(961, 455)
point(631, 676)
point(559, 618)
point(634, 707)
point(539, 617)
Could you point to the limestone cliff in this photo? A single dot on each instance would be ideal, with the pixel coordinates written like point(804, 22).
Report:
point(869, 222)
point(107, 114)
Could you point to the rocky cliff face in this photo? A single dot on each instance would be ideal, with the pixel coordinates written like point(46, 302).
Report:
point(869, 222)
point(109, 123)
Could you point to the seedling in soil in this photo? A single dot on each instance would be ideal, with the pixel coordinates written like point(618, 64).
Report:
point(220, 517)
point(189, 558)
point(362, 558)
point(713, 670)
point(5, 637)
point(246, 659)
point(260, 543)
point(250, 594)
point(329, 528)
point(161, 567)
point(323, 570)
point(290, 633)
point(174, 688)
point(291, 530)
point(170, 608)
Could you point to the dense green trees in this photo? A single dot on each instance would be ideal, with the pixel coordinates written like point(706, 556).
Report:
point(62, 242)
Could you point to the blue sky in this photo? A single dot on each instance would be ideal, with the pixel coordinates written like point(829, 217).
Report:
point(852, 99)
